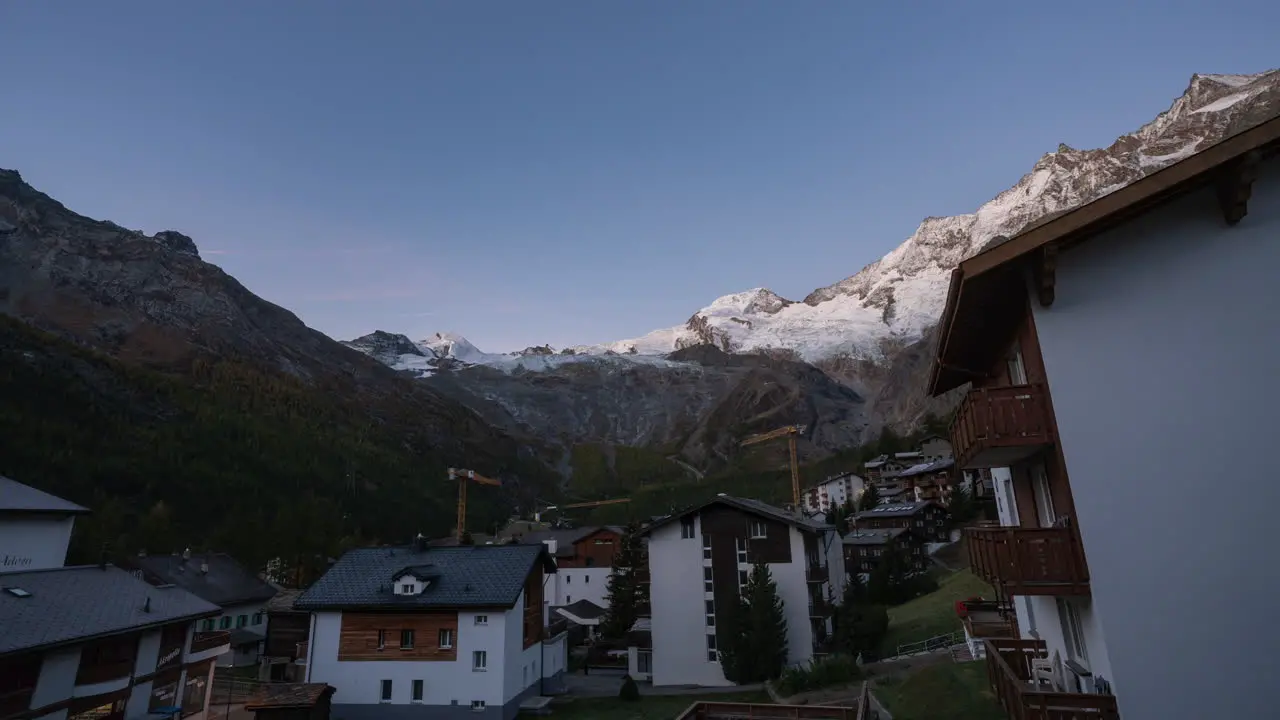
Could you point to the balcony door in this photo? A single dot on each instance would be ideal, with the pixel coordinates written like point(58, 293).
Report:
point(1017, 368)
point(1045, 512)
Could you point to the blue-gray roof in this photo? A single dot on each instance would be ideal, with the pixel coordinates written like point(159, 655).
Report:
point(74, 604)
point(468, 576)
point(749, 505)
point(226, 583)
point(16, 497)
point(895, 509)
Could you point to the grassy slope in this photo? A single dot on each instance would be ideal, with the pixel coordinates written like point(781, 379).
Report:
point(650, 707)
point(947, 691)
point(933, 614)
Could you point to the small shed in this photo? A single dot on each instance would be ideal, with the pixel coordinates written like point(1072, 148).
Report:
point(291, 701)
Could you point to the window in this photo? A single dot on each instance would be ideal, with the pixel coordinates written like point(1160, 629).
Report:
point(386, 691)
point(406, 639)
point(382, 639)
point(686, 528)
point(477, 705)
point(1072, 631)
point(711, 649)
point(741, 546)
point(706, 546)
point(524, 675)
point(207, 625)
point(586, 578)
point(482, 619)
point(1044, 498)
point(707, 583)
point(1017, 369)
point(479, 660)
point(711, 613)
point(406, 588)
point(758, 530)
point(417, 691)
point(446, 639)
point(568, 599)
point(224, 622)
point(242, 620)
point(257, 618)
point(567, 578)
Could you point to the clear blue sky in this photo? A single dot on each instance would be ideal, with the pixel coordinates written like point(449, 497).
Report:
point(571, 171)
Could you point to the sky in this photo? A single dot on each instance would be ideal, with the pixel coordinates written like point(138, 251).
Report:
point(571, 171)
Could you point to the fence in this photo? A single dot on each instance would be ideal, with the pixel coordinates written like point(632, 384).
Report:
point(940, 642)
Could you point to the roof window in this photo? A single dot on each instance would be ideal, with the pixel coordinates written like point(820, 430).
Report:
point(17, 592)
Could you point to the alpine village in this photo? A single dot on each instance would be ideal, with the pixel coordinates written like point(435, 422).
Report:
point(209, 511)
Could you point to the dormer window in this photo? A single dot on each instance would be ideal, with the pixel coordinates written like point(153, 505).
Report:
point(413, 580)
point(407, 589)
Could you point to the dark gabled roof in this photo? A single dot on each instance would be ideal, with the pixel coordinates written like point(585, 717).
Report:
point(75, 604)
point(469, 576)
point(986, 297)
point(227, 582)
point(565, 537)
point(755, 507)
point(18, 498)
point(895, 510)
point(860, 536)
point(282, 696)
point(923, 468)
point(584, 609)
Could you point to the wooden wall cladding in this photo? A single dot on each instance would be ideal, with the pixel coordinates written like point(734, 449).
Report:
point(359, 638)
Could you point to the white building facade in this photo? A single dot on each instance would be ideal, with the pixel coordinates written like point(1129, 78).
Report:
point(701, 559)
point(35, 527)
point(1144, 344)
point(834, 492)
point(463, 639)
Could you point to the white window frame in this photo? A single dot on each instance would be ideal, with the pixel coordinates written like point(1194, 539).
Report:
point(386, 691)
point(417, 691)
point(1045, 511)
point(445, 638)
point(1073, 631)
point(406, 588)
point(758, 530)
point(687, 529)
point(477, 706)
point(479, 660)
point(482, 619)
point(1017, 368)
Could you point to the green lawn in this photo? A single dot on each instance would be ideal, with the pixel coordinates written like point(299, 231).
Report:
point(948, 691)
point(651, 707)
point(933, 614)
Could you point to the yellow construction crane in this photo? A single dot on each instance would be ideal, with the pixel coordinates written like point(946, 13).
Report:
point(790, 431)
point(463, 477)
point(537, 516)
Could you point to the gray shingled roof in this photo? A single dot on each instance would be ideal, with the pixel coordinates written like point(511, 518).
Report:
point(469, 576)
point(283, 601)
point(227, 582)
point(895, 510)
point(923, 468)
point(77, 603)
point(755, 507)
point(871, 537)
point(16, 497)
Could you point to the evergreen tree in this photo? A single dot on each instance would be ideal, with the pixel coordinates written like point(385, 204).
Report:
point(766, 625)
point(731, 639)
point(962, 506)
point(887, 584)
point(624, 592)
point(870, 497)
point(889, 441)
point(859, 626)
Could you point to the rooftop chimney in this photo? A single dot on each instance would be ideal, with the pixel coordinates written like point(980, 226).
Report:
point(204, 568)
point(186, 555)
point(551, 545)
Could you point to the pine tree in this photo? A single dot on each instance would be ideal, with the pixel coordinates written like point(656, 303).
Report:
point(859, 626)
point(624, 592)
point(731, 639)
point(887, 584)
point(766, 625)
point(870, 497)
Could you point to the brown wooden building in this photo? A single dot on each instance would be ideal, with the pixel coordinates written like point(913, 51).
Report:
point(926, 519)
point(865, 549)
point(291, 701)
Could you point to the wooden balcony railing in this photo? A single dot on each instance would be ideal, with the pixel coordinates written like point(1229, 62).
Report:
point(1029, 561)
point(209, 639)
point(816, 573)
point(1009, 673)
point(995, 427)
point(100, 672)
point(989, 619)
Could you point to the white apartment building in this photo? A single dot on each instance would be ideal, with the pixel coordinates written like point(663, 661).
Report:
point(701, 558)
point(1126, 358)
point(584, 561)
point(832, 493)
point(431, 632)
point(35, 527)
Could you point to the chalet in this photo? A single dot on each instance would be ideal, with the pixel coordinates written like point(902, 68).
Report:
point(927, 519)
point(873, 470)
point(97, 642)
point(700, 558)
point(35, 527)
point(584, 560)
point(864, 550)
point(935, 448)
point(1118, 357)
point(450, 629)
point(291, 701)
point(926, 480)
point(285, 642)
point(219, 579)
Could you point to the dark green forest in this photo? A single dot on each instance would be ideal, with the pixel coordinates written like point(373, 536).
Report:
point(221, 456)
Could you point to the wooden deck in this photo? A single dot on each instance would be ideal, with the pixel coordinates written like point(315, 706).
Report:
point(1029, 561)
point(996, 427)
point(1009, 672)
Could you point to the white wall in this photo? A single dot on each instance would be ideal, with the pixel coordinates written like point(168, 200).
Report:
point(1161, 353)
point(34, 542)
point(793, 589)
point(57, 677)
point(554, 655)
point(569, 585)
point(679, 627)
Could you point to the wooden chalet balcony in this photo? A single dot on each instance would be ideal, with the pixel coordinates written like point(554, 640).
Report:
point(209, 639)
point(1029, 561)
point(989, 619)
point(996, 427)
point(815, 573)
point(1009, 673)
